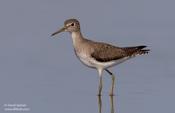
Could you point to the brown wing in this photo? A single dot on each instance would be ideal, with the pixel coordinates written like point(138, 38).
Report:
point(130, 51)
point(106, 52)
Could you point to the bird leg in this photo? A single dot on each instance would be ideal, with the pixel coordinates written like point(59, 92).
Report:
point(100, 86)
point(99, 104)
point(113, 82)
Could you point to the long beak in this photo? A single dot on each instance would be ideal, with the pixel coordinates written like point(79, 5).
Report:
point(59, 31)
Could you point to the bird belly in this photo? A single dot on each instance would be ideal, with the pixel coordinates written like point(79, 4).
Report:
point(108, 64)
point(91, 62)
point(85, 59)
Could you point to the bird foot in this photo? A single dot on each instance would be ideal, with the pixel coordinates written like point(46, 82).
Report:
point(111, 94)
point(99, 95)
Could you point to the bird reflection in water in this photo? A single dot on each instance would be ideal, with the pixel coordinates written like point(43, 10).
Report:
point(111, 104)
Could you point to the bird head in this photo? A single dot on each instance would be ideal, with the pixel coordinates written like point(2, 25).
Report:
point(70, 25)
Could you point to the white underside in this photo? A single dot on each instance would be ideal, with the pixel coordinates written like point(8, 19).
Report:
point(91, 62)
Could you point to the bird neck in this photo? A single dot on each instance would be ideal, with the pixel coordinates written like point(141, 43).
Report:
point(77, 38)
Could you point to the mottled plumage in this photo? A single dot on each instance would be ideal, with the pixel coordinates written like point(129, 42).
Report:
point(99, 55)
point(105, 52)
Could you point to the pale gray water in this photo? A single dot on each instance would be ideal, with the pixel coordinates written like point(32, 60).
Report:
point(44, 73)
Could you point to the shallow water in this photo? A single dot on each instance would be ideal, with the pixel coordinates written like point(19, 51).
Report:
point(39, 74)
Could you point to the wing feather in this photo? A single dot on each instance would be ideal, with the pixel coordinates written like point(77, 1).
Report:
point(105, 52)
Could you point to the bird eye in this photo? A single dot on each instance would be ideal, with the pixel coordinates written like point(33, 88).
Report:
point(72, 24)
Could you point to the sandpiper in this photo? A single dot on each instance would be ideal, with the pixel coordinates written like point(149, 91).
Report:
point(99, 55)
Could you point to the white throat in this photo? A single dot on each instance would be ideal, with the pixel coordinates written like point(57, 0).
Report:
point(76, 38)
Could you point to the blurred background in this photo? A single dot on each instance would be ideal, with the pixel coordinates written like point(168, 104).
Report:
point(44, 73)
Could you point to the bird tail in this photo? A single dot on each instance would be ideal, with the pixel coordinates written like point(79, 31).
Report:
point(137, 50)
